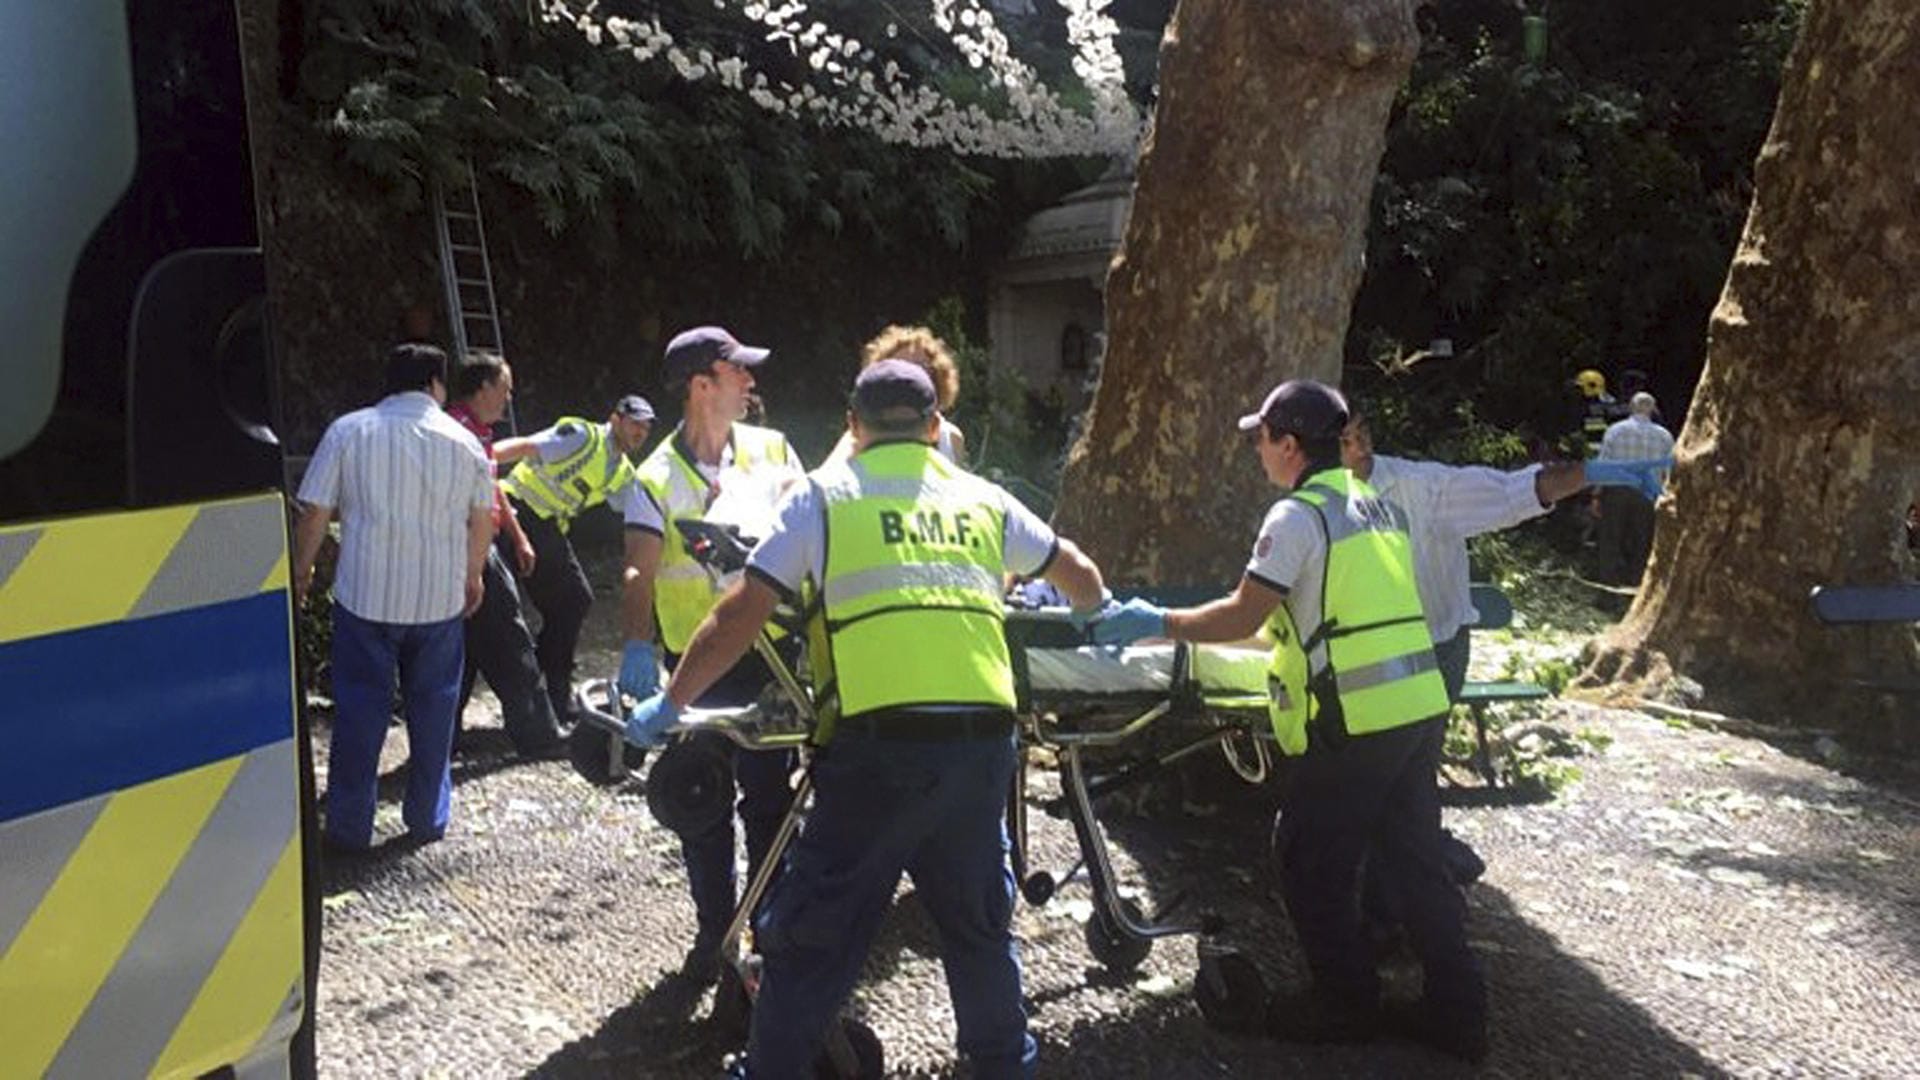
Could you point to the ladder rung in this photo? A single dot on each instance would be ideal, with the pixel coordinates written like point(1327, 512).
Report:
point(463, 215)
point(468, 249)
point(482, 283)
point(484, 316)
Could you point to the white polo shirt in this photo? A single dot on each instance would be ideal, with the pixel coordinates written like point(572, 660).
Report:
point(404, 476)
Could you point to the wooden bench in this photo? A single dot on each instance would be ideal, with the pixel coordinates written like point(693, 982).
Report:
point(1496, 613)
point(1868, 605)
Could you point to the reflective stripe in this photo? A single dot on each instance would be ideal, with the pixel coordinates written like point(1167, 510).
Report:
point(84, 922)
point(110, 567)
point(32, 852)
point(860, 584)
point(133, 1016)
point(1385, 671)
point(225, 554)
point(14, 548)
point(257, 976)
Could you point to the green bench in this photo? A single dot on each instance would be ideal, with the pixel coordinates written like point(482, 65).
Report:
point(1496, 613)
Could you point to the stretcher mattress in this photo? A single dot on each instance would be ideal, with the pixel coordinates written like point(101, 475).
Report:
point(1143, 669)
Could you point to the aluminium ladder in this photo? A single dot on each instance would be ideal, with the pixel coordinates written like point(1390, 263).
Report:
point(467, 272)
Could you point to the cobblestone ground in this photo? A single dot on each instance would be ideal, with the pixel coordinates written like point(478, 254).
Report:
point(1697, 904)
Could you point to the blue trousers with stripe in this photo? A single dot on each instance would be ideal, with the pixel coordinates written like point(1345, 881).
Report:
point(367, 656)
point(936, 811)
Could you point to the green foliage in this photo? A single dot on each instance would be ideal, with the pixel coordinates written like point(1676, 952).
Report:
point(624, 151)
point(1549, 217)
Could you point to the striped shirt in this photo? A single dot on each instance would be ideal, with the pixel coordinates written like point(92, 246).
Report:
point(1637, 438)
point(404, 476)
point(1444, 505)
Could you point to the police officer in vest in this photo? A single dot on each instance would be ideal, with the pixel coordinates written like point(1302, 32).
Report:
point(713, 467)
point(561, 473)
point(1331, 579)
point(907, 551)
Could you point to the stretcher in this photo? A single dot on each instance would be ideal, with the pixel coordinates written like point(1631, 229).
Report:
point(1080, 701)
point(1074, 700)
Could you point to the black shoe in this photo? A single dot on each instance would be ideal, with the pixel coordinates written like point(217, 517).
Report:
point(702, 964)
point(1309, 1017)
point(1456, 1034)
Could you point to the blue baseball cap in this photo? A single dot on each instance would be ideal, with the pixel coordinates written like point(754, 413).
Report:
point(1303, 408)
point(693, 352)
point(894, 390)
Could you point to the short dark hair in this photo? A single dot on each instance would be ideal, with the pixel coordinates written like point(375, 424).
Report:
point(415, 365)
point(1320, 449)
point(479, 371)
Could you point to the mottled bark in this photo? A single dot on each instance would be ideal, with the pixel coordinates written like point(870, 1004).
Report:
point(1238, 269)
point(1802, 449)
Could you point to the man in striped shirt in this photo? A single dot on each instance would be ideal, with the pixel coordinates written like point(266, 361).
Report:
point(415, 500)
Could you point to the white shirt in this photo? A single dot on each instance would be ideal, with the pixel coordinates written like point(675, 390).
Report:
point(404, 476)
point(796, 549)
point(1637, 438)
point(1290, 557)
point(1444, 505)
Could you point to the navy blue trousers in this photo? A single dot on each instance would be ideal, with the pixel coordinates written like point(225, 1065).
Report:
point(367, 655)
point(764, 778)
point(933, 810)
point(1355, 798)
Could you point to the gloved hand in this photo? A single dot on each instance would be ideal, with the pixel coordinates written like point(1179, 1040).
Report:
point(648, 723)
point(1642, 476)
point(1131, 621)
point(1081, 618)
point(639, 669)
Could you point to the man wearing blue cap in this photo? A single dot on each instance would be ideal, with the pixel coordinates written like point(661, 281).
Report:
point(907, 551)
point(712, 468)
point(1357, 691)
point(561, 473)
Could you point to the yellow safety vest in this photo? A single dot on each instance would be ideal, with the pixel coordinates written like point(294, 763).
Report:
point(683, 590)
point(1380, 662)
point(560, 490)
point(911, 598)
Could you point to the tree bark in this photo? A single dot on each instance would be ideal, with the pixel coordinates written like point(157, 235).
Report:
point(1237, 270)
point(1802, 449)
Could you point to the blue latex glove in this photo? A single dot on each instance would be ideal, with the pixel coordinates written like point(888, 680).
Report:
point(639, 669)
point(1130, 622)
point(1642, 476)
point(1081, 618)
point(648, 723)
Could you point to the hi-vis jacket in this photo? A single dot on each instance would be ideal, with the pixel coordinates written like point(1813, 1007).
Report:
point(1380, 666)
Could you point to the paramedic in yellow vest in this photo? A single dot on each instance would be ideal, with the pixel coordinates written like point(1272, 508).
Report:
point(712, 468)
point(907, 551)
point(559, 474)
point(1332, 576)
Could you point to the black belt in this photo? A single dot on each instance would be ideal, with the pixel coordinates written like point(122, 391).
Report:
point(915, 725)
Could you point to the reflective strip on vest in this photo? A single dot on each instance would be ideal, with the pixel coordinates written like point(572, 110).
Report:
point(683, 590)
point(863, 584)
point(1372, 625)
point(911, 601)
point(560, 490)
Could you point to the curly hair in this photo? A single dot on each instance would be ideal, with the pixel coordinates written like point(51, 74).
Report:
point(918, 345)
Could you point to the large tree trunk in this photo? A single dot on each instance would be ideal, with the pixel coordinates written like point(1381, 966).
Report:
point(1237, 270)
point(1802, 449)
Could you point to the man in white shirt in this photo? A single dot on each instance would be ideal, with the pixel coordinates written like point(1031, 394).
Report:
point(415, 498)
point(1626, 515)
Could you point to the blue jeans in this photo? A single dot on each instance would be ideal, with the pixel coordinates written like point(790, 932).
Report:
point(428, 658)
point(936, 810)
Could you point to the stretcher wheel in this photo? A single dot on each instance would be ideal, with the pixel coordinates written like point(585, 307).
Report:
point(866, 1060)
point(1038, 888)
point(732, 1006)
point(590, 750)
point(1231, 992)
point(1117, 950)
point(690, 789)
